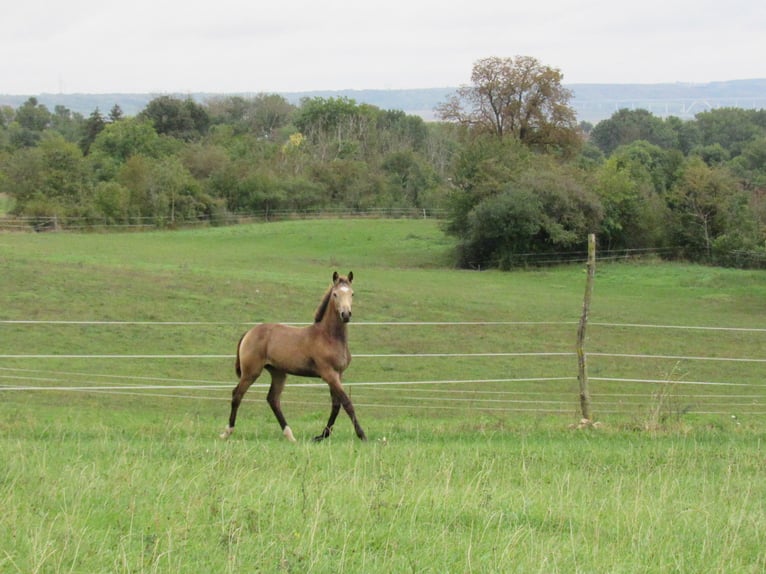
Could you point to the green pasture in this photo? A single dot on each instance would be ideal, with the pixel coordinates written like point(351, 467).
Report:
point(113, 464)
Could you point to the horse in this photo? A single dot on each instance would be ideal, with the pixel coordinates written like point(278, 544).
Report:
point(318, 350)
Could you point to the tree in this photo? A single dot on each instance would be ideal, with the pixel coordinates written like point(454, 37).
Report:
point(180, 119)
point(66, 122)
point(115, 114)
point(30, 121)
point(49, 179)
point(409, 179)
point(626, 126)
point(634, 213)
point(94, 125)
point(708, 205)
point(336, 127)
point(33, 115)
point(518, 98)
point(546, 208)
point(126, 138)
point(262, 115)
point(482, 168)
point(270, 112)
point(732, 128)
point(120, 141)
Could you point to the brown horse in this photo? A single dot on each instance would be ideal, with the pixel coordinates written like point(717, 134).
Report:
point(319, 350)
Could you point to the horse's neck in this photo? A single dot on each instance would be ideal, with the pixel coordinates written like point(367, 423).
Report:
point(332, 324)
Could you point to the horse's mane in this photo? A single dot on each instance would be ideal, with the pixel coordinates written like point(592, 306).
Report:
point(326, 299)
point(323, 306)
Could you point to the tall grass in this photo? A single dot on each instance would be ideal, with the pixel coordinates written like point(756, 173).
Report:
point(135, 480)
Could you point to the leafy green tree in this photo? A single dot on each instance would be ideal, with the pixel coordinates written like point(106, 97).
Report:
point(626, 126)
point(409, 179)
point(30, 120)
point(33, 116)
point(518, 98)
point(348, 183)
point(398, 132)
point(482, 167)
point(335, 127)
point(175, 194)
point(66, 122)
point(94, 125)
point(23, 176)
point(545, 211)
point(202, 160)
point(687, 132)
point(111, 203)
point(712, 154)
point(750, 165)
point(707, 205)
point(181, 119)
point(262, 115)
point(116, 114)
point(634, 214)
point(48, 179)
point(118, 142)
point(649, 162)
point(732, 128)
point(270, 113)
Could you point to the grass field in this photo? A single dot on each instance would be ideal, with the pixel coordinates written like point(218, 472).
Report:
point(124, 472)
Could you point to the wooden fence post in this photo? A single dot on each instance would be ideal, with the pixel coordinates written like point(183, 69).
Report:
point(582, 376)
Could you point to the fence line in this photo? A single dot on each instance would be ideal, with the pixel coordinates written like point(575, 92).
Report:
point(406, 356)
point(431, 392)
point(375, 384)
point(383, 323)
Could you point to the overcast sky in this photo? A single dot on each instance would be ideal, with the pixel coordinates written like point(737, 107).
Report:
point(226, 46)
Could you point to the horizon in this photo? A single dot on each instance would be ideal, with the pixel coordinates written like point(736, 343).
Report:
point(325, 90)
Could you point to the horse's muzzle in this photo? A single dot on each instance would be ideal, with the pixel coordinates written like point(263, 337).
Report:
point(345, 316)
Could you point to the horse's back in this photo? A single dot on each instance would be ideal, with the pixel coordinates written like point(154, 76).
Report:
point(302, 351)
point(276, 346)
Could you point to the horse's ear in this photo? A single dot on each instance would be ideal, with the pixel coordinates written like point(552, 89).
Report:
point(350, 276)
point(335, 278)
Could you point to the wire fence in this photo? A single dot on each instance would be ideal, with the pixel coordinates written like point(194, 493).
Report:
point(135, 223)
point(658, 383)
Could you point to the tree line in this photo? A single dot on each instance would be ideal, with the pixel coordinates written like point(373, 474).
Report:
point(518, 177)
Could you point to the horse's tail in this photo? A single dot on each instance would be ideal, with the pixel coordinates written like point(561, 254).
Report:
point(237, 366)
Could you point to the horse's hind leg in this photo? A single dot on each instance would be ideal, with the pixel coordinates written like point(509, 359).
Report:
point(275, 391)
point(239, 391)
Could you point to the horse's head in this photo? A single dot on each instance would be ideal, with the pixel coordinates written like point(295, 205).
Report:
point(342, 295)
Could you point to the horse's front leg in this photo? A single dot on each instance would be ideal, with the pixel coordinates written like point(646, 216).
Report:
point(331, 421)
point(339, 399)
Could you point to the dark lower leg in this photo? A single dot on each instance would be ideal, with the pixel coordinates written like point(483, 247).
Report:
point(236, 399)
point(275, 391)
point(349, 408)
point(340, 398)
point(273, 399)
point(331, 421)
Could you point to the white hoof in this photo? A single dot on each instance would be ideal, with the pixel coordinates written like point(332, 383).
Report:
point(227, 433)
point(288, 434)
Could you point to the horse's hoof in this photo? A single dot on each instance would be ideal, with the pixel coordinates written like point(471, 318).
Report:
point(325, 434)
point(227, 433)
point(288, 434)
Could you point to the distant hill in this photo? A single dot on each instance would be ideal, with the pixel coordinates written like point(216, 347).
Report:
point(592, 102)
